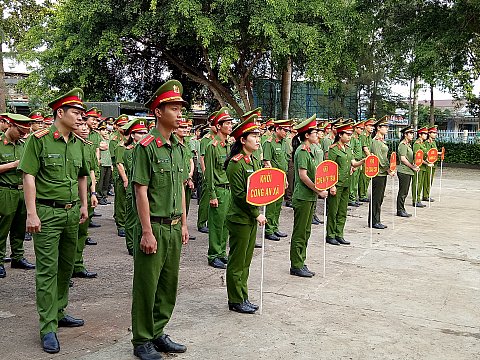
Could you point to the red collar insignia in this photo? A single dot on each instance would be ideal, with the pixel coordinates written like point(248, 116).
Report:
point(247, 159)
point(56, 135)
point(159, 142)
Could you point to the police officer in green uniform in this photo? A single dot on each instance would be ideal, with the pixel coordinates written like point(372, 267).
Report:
point(318, 156)
point(37, 117)
point(157, 177)
point(356, 146)
point(430, 143)
point(203, 206)
point(274, 155)
point(418, 177)
point(116, 139)
point(91, 161)
point(406, 169)
point(134, 131)
point(337, 202)
point(379, 148)
point(218, 189)
point(304, 195)
point(105, 165)
point(242, 218)
point(366, 140)
point(13, 213)
point(55, 185)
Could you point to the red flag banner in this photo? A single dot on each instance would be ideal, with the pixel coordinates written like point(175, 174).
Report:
point(393, 161)
point(326, 175)
point(432, 155)
point(442, 157)
point(372, 166)
point(419, 158)
point(265, 186)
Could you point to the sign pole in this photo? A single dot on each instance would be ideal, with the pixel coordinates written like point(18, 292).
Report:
point(393, 168)
point(441, 175)
point(324, 234)
point(371, 213)
point(262, 261)
point(372, 167)
point(431, 182)
point(416, 193)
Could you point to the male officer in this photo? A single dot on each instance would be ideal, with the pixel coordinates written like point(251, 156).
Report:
point(356, 146)
point(218, 189)
point(157, 177)
point(12, 210)
point(55, 186)
point(3, 123)
point(366, 141)
point(119, 204)
point(37, 117)
point(428, 178)
point(275, 155)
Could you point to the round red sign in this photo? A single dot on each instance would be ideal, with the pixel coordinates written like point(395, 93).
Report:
point(371, 166)
point(393, 161)
point(326, 175)
point(265, 186)
point(419, 157)
point(432, 155)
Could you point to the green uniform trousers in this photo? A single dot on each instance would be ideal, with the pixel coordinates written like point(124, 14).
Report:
point(427, 182)
point(132, 223)
point(291, 180)
point(119, 204)
point(217, 231)
point(337, 212)
point(302, 226)
point(82, 237)
point(188, 198)
point(12, 212)
point(378, 192)
point(363, 184)
point(403, 187)
point(354, 185)
point(55, 248)
point(417, 186)
point(273, 214)
point(203, 206)
point(155, 282)
point(242, 242)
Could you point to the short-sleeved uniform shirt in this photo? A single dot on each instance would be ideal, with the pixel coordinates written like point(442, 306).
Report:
point(239, 169)
point(115, 138)
point(127, 162)
point(405, 149)
point(356, 146)
point(327, 141)
point(317, 153)
point(90, 155)
point(10, 152)
point(187, 156)
point(380, 149)
point(274, 151)
point(304, 159)
point(105, 156)
point(420, 145)
point(95, 138)
point(215, 174)
point(160, 166)
point(343, 156)
point(366, 141)
point(56, 164)
point(118, 154)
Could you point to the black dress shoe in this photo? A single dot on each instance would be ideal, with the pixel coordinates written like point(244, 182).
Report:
point(3, 273)
point(308, 270)
point(258, 245)
point(121, 232)
point(7, 259)
point(90, 241)
point(332, 241)
point(358, 203)
point(130, 252)
point(70, 283)
point(95, 214)
point(428, 199)
point(224, 260)
point(241, 308)
point(342, 241)
point(364, 200)
point(280, 234)
point(203, 229)
point(379, 226)
point(103, 202)
point(252, 305)
point(69, 321)
point(217, 263)
point(165, 344)
point(50, 343)
point(419, 205)
point(110, 193)
point(315, 221)
point(272, 237)
point(316, 218)
point(353, 203)
point(147, 351)
point(289, 204)
point(22, 264)
point(85, 274)
point(28, 236)
point(93, 225)
point(403, 214)
point(301, 272)
point(191, 237)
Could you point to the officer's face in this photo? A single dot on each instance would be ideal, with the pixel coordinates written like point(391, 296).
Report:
point(320, 135)
point(182, 131)
point(82, 129)
point(382, 130)
point(169, 115)
point(225, 127)
point(345, 137)
point(70, 117)
point(312, 137)
point(369, 128)
point(423, 136)
point(251, 142)
point(37, 125)
point(137, 136)
point(409, 136)
point(281, 133)
point(432, 135)
point(358, 130)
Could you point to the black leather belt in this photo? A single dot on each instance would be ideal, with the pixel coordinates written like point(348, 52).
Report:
point(166, 221)
point(13, 187)
point(56, 204)
point(224, 186)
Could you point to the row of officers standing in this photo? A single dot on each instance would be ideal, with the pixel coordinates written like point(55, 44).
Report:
point(50, 181)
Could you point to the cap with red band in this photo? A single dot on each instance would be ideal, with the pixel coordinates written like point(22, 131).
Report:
point(48, 119)
point(345, 128)
point(433, 129)
point(360, 125)
point(19, 120)
point(74, 98)
point(36, 115)
point(247, 126)
point(308, 124)
point(94, 112)
point(135, 125)
point(169, 92)
point(222, 115)
point(370, 121)
point(257, 111)
point(282, 124)
point(121, 120)
point(423, 130)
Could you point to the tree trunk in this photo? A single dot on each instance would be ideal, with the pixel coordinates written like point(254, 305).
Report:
point(432, 107)
point(286, 88)
point(373, 97)
point(415, 102)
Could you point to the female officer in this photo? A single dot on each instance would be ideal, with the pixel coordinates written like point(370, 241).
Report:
point(242, 218)
point(417, 184)
point(304, 195)
point(379, 182)
point(135, 130)
point(337, 202)
point(406, 169)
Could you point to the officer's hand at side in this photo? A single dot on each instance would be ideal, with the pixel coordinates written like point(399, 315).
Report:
point(333, 190)
point(214, 203)
point(33, 224)
point(261, 219)
point(125, 183)
point(83, 214)
point(93, 201)
point(323, 194)
point(185, 234)
point(148, 244)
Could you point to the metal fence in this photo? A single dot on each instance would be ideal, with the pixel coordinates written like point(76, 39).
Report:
point(464, 136)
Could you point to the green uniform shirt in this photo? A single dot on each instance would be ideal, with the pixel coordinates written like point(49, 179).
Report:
point(160, 166)
point(380, 148)
point(366, 141)
point(418, 145)
point(317, 153)
point(288, 147)
point(10, 152)
point(95, 138)
point(115, 138)
point(343, 157)
point(205, 141)
point(304, 159)
point(356, 146)
point(274, 151)
point(105, 158)
point(127, 162)
point(265, 137)
point(118, 154)
point(90, 154)
point(238, 171)
point(327, 141)
point(187, 156)
point(56, 164)
point(215, 174)
point(405, 150)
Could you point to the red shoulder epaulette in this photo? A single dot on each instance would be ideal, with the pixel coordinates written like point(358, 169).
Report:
point(147, 140)
point(306, 148)
point(237, 157)
point(215, 142)
point(41, 133)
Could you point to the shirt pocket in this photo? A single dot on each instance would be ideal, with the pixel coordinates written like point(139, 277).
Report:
point(7, 158)
point(75, 168)
point(54, 165)
point(162, 173)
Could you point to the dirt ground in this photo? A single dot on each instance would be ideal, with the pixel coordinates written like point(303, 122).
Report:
point(414, 294)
